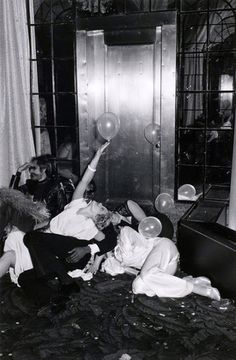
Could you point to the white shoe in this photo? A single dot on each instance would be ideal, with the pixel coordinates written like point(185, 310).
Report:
point(213, 293)
point(201, 280)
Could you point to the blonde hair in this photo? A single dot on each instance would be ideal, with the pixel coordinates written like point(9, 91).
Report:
point(103, 220)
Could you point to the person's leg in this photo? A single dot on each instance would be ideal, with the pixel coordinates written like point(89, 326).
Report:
point(157, 273)
point(167, 226)
point(7, 260)
point(36, 289)
point(49, 251)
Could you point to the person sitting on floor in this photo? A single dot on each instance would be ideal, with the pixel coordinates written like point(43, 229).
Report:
point(44, 185)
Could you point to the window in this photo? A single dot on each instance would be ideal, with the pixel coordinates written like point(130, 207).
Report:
point(205, 93)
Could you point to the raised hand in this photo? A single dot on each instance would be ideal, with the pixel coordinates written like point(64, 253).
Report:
point(23, 167)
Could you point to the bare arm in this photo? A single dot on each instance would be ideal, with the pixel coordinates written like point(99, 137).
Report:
point(136, 210)
point(96, 264)
point(89, 173)
point(7, 260)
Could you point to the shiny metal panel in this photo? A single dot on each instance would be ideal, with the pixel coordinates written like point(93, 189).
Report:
point(82, 81)
point(129, 94)
point(137, 83)
point(157, 109)
point(90, 64)
point(168, 85)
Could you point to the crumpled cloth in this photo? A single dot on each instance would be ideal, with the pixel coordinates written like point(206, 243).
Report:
point(80, 273)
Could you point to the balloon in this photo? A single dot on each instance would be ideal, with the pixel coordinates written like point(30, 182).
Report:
point(108, 125)
point(164, 202)
point(187, 190)
point(152, 134)
point(150, 227)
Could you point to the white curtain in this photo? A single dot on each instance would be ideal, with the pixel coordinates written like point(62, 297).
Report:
point(16, 138)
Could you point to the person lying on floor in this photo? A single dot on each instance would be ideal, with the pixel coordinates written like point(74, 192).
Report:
point(154, 261)
point(132, 213)
point(74, 236)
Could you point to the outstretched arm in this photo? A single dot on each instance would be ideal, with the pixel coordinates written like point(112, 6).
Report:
point(89, 173)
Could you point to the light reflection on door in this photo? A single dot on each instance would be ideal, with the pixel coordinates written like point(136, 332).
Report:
point(129, 84)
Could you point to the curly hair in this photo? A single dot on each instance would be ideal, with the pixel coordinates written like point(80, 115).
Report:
point(103, 220)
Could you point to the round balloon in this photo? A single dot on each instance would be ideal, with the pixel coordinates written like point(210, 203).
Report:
point(150, 227)
point(152, 134)
point(164, 202)
point(108, 125)
point(187, 190)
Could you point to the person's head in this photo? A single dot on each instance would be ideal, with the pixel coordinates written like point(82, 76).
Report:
point(103, 220)
point(90, 190)
point(115, 218)
point(93, 209)
point(40, 167)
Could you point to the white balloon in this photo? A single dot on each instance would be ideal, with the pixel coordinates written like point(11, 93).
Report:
point(108, 125)
point(150, 227)
point(164, 202)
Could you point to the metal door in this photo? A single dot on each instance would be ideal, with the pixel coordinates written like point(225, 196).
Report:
point(125, 80)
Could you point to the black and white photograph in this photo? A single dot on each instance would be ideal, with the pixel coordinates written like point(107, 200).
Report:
point(118, 180)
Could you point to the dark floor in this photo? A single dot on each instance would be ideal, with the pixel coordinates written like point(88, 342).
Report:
point(105, 322)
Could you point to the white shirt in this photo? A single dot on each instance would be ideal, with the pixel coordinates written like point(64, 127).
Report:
point(70, 223)
point(14, 241)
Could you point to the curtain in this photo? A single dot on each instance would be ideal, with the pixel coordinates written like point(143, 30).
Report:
point(16, 138)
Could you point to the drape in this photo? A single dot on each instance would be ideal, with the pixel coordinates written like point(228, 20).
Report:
point(16, 137)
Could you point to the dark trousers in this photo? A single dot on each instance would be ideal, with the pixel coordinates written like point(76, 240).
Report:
point(167, 226)
point(49, 252)
point(38, 290)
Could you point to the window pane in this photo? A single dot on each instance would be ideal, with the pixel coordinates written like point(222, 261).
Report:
point(137, 5)
point(43, 41)
point(193, 175)
point(194, 32)
point(191, 147)
point(222, 30)
point(222, 4)
point(163, 5)
point(192, 72)
point(191, 108)
point(216, 176)
point(44, 69)
point(193, 5)
point(63, 40)
point(65, 110)
point(64, 75)
point(220, 147)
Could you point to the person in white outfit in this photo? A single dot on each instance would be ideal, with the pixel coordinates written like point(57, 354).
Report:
point(157, 259)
